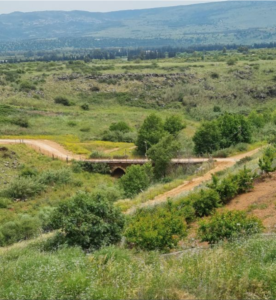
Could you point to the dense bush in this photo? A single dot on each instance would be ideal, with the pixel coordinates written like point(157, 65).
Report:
point(62, 100)
point(120, 126)
point(27, 86)
point(136, 179)
point(23, 188)
point(51, 177)
point(244, 179)
point(24, 227)
point(101, 168)
point(266, 162)
point(88, 222)
point(205, 202)
point(156, 229)
point(227, 188)
point(85, 106)
point(226, 225)
point(20, 121)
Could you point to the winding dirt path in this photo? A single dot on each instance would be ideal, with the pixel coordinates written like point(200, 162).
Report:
point(53, 149)
point(220, 165)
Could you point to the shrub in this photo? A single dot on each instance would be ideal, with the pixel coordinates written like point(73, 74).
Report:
point(21, 121)
point(227, 225)
point(28, 172)
point(85, 106)
point(100, 168)
point(119, 136)
point(97, 154)
point(24, 187)
point(27, 86)
point(205, 202)
point(156, 229)
point(62, 100)
point(88, 222)
point(227, 188)
point(136, 179)
point(244, 180)
point(120, 126)
point(231, 62)
point(72, 123)
point(95, 89)
point(214, 75)
point(4, 202)
point(24, 227)
point(265, 163)
point(51, 177)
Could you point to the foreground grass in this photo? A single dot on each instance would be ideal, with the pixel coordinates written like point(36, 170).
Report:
point(241, 270)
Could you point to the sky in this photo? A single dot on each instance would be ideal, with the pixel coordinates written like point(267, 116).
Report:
point(89, 5)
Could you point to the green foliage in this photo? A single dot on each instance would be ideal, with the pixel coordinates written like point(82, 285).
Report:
point(162, 153)
point(228, 225)
point(266, 162)
point(173, 124)
point(257, 120)
point(150, 133)
point(4, 202)
point(24, 227)
point(62, 100)
point(23, 188)
point(101, 168)
point(207, 138)
point(227, 130)
point(120, 126)
point(136, 179)
point(205, 202)
point(20, 121)
point(51, 177)
point(27, 86)
point(85, 106)
point(234, 129)
point(244, 179)
point(119, 136)
point(156, 229)
point(227, 188)
point(231, 62)
point(88, 222)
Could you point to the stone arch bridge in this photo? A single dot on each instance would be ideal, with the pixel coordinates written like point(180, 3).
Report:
point(118, 166)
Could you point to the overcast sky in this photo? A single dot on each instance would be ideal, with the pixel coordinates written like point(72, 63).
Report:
point(95, 6)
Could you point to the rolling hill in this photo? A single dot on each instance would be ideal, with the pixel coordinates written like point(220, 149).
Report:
point(240, 22)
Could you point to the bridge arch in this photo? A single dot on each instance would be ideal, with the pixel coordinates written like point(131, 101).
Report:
point(118, 171)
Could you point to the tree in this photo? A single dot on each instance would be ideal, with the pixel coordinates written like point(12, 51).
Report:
point(150, 133)
point(206, 202)
point(162, 153)
point(234, 129)
point(136, 179)
point(207, 138)
point(173, 124)
point(88, 221)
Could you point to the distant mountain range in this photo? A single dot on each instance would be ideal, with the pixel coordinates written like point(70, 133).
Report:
point(229, 22)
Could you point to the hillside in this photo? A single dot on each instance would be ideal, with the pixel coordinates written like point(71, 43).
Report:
point(240, 22)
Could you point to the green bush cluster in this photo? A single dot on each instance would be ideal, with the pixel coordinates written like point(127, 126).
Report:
point(88, 221)
point(232, 185)
point(225, 131)
point(119, 132)
point(63, 100)
point(24, 227)
point(30, 183)
point(101, 168)
point(228, 225)
point(137, 179)
point(156, 229)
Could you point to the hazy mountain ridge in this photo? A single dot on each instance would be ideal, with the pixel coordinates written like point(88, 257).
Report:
point(241, 22)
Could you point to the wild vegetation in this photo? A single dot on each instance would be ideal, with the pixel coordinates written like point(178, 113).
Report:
point(215, 104)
